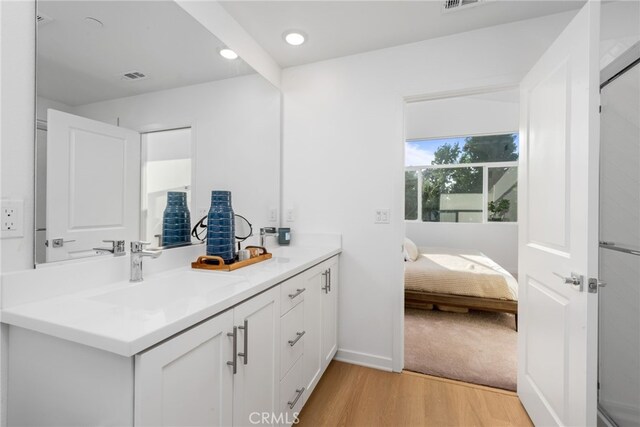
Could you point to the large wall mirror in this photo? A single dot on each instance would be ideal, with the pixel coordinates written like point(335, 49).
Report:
point(138, 112)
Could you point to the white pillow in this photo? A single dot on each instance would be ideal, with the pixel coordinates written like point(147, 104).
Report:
point(410, 250)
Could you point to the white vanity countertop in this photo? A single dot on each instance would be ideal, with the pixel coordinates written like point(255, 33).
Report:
point(126, 318)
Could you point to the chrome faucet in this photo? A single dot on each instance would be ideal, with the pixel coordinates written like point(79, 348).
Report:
point(137, 253)
point(267, 231)
point(117, 247)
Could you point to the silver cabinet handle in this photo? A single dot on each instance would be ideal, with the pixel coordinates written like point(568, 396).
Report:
point(234, 362)
point(293, 402)
point(298, 292)
point(329, 276)
point(245, 328)
point(325, 288)
point(298, 336)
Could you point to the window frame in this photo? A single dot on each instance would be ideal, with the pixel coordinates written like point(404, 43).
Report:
point(485, 188)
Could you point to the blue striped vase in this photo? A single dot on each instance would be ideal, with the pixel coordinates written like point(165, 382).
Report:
point(221, 239)
point(176, 220)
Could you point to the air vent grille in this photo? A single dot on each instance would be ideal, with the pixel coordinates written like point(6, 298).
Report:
point(450, 5)
point(133, 75)
point(43, 19)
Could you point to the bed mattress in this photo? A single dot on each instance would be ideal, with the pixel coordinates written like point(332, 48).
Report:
point(459, 272)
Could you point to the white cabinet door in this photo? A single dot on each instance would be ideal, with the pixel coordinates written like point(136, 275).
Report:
point(93, 185)
point(312, 358)
point(329, 293)
point(558, 214)
point(186, 380)
point(256, 384)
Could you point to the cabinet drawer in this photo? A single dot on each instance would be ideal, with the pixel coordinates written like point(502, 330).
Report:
point(291, 338)
point(292, 394)
point(292, 293)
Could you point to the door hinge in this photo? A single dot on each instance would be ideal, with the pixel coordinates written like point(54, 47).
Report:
point(600, 109)
point(594, 284)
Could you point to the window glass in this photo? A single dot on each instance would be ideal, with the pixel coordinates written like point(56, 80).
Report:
point(470, 149)
point(452, 195)
point(411, 195)
point(503, 194)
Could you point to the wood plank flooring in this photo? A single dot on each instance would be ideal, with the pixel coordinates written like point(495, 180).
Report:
point(351, 395)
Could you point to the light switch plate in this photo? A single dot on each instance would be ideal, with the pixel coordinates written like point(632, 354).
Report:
point(382, 216)
point(11, 222)
point(291, 215)
point(273, 215)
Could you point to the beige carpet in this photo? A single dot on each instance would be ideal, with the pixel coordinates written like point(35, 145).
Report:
point(476, 347)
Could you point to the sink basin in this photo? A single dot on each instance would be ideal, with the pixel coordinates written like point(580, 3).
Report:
point(158, 293)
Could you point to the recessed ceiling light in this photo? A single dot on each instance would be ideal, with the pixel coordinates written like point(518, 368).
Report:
point(227, 53)
point(294, 37)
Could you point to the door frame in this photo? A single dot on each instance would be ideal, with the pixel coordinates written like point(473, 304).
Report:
point(398, 310)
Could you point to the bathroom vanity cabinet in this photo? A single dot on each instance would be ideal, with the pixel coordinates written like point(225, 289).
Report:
point(257, 361)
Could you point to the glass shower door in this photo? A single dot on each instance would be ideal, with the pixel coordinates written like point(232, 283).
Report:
point(619, 301)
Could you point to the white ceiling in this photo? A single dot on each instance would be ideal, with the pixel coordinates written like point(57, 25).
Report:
point(340, 28)
point(80, 64)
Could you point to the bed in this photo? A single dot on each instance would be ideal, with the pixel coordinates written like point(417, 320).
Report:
point(458, 279)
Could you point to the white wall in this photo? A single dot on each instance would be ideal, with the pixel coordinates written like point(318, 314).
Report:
point(498, 241)
point(43, 104)
point(236, 129)
point(17, 134)
point(497, 112)
point(343, 158)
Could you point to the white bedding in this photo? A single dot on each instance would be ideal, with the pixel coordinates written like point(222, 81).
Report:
point(459, 272)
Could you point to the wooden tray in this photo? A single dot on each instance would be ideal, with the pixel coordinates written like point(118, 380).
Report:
point(201, 262)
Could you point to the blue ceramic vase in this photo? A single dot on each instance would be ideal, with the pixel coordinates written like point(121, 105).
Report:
point(176, 220)
point(221, 239)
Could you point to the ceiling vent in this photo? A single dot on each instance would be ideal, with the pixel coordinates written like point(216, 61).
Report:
point(43, 19)
point(451, 5)
point(133, 76)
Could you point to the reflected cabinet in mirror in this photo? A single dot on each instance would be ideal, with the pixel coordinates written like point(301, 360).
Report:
point(138, 119)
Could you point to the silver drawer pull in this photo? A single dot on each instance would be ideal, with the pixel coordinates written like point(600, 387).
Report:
point(298, 292)
point(299, 335)
point(245, 329)
point(293, 402)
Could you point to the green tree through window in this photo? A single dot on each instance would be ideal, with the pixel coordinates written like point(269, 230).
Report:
point(461, 180)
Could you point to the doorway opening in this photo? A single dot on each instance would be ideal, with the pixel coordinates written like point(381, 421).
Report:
point(166, 163)
point(461, 237)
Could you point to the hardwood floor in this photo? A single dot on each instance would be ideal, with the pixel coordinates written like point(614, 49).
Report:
point(351, 395)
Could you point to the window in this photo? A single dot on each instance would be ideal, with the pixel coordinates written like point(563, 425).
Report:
point(467, 179)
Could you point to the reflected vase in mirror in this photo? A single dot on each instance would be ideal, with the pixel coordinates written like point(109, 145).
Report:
point(176, 220)
point(221, 227)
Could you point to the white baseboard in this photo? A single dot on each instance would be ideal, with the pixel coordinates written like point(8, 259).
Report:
point(364, 359)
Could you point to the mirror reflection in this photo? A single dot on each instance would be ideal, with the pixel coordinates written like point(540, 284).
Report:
point(139, 117)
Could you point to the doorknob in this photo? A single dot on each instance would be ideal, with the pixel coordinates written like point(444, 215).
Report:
point(58, 243)
point(575, 280)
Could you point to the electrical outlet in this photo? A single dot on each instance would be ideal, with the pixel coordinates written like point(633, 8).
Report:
point(273, 215)
point(12, 216)
point(290, 215)
point(382, 216)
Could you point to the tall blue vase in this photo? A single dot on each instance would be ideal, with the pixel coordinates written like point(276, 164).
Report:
point(221, 227)
point(176, 220)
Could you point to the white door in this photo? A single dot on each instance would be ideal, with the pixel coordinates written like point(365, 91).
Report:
point(558, 186)
point(93, 185)
point(186, 381)
point(330, 313)
point(256, 383)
